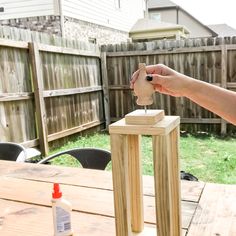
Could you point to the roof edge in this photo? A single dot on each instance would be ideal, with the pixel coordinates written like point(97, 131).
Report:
point(162, 29)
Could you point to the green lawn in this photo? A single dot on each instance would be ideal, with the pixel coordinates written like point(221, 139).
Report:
point(209, 158)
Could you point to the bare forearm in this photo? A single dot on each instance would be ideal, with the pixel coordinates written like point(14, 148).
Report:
point(218, 100)
point(168, 81)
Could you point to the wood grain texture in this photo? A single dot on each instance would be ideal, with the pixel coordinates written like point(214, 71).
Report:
point(161, 156)
point(119, 150)
point(166, 173)
point(106, 98)
point(167, 183)
point(191, 191)
point(71, 87)
point(162, 127)
point(135, 182)
point(90, 200)
point(174, 176)
point(199, 58)
point(140, 117)
point(215, 214)
point(224, 58)
point(22, 219)
point(16, 108)
point(39, 101)
point(37, 221)
point(84, 198)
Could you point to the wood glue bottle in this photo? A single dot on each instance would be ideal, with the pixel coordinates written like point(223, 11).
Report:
point(61, 210)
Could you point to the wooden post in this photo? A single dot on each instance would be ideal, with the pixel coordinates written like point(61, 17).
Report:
point(135, 182)
point(223, 80)
point(105, 88)
point(119, 148)
point(174, 172)
point(166, 174)
point(125, 143)
point(38, 96)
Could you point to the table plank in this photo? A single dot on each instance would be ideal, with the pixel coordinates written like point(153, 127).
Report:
point(88, 200)
point(216, 212)
point(26, 219)
point(21, 219)
point(190, 191)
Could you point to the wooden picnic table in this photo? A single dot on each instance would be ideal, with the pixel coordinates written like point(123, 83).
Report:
point(25, 202)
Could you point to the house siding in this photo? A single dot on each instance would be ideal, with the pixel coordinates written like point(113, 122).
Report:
point(74, 29)
point(105, 13)
point(195, 28)
point(168, 16)
point(83, 20)
point(27, 8)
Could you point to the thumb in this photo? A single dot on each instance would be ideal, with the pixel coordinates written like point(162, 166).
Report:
point(155, 79)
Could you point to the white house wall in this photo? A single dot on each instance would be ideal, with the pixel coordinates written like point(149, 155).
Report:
point(27, 8)
point(168, 15)
point(105, 13)
point(196, 29)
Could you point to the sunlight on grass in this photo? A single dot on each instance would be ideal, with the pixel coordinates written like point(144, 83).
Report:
point(210, 159)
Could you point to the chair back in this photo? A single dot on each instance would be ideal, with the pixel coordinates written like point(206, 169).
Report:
point(91, 158)
point(12, 152)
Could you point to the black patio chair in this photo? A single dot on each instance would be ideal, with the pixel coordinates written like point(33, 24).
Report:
point(91, 158)
point(187, 176)
point(12, 152)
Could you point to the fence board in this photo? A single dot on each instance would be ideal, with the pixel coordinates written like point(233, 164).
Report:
point(16, 103)
point(15, 96)
point(69, 87)
point(75, 78)
point(203, 59)
point(63, 92)
point(13, 44)
point(67, 51)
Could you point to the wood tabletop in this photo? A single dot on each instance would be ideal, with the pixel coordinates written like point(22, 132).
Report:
point(25, 201)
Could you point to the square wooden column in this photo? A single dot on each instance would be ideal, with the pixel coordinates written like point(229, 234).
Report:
point(167, 183)
point(127, 176)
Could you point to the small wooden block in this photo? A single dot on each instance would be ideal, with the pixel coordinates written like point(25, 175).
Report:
point(139, 117)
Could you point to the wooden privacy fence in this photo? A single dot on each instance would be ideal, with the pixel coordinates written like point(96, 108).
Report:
point(48, 92)
point(209, 59)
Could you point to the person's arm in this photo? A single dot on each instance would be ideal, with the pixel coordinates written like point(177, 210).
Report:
point(218, 100)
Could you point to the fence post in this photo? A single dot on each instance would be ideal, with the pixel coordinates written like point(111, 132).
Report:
point(223, 80)
point(105, 87)
point(38, 96)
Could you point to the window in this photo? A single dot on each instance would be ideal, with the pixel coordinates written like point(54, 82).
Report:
point(92, 40)
point(1, 9)
point(155, 16)
point(117, 4)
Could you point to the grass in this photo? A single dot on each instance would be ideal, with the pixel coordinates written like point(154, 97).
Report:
point(209, 158)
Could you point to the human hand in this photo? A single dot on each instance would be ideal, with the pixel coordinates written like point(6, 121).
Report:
point(165, 80)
